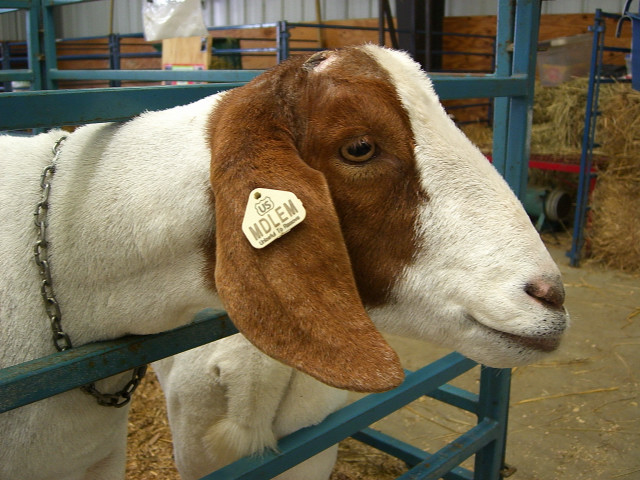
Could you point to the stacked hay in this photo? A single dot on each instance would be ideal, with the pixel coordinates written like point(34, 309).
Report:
point(614, 234)
point(558, 118)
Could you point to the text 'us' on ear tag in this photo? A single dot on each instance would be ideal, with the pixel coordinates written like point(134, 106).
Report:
point(270, 214)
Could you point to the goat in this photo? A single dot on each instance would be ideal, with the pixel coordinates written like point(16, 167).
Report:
point(403, 217)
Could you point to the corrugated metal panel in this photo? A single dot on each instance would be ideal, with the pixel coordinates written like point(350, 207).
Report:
point(582, 6)
point(92, 18)
point(83, 20)
point(235, 12)
point(463, 8)
point(13, 26)
point(458, 8)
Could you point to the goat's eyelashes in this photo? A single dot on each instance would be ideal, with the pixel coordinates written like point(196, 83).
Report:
point(359, 150)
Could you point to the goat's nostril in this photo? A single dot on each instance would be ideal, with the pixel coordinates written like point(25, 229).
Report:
point(549, 293)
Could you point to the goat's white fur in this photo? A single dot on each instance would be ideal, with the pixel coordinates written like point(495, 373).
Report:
point(112, 277)
point(144, 276)
point(221, 409)
point(487, 248)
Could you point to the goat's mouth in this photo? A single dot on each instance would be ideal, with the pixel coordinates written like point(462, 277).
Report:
point(541, 343)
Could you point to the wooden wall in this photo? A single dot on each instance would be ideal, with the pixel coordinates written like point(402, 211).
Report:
point(552, 26)
point(101, 46)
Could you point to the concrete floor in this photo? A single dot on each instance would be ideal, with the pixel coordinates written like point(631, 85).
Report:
point(575, 416)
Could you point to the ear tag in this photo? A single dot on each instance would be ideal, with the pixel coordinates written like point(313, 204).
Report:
point(270, 214)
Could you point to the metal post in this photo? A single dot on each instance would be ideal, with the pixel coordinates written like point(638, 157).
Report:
point(495, 387)
point(526, 24)
point(114, 57)
point(504, 53)
point(386, 18)
point(6, 63)
point(48, 44)
point(34, 46)
point(282, 40)
point(591, 116)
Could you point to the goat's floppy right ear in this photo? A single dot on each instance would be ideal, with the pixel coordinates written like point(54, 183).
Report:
point(295, 299)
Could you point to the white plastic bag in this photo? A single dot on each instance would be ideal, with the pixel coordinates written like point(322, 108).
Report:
point(172, 18)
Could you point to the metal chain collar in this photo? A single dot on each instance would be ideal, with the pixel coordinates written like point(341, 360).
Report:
point(60, 339)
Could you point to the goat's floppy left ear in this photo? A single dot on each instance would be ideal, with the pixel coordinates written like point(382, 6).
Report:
point(295, 299)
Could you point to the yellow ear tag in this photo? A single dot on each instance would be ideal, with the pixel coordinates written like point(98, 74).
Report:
point(270, 214)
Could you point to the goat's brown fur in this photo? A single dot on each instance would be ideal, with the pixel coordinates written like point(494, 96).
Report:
point(297, 299)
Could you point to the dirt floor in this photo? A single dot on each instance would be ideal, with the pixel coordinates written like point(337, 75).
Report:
point(575, 416)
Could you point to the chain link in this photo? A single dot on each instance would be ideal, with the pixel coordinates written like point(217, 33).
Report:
point(41, 252)
point(121, 398)
point(61, 340)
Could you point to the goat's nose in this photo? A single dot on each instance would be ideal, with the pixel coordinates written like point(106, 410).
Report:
point(548, 292)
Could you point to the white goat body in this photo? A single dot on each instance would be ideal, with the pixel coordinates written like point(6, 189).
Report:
point(422, 231)
point(230, 400)
point(125, 251)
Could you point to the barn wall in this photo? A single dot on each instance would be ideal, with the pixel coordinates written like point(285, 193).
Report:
point(92, 18)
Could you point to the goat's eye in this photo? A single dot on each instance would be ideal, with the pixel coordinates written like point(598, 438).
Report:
point(359, 150)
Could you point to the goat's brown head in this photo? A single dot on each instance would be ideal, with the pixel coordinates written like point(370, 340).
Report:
point(359, 136)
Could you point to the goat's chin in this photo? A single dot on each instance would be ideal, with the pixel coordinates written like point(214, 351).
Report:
point(499, 349)
point(524, 343)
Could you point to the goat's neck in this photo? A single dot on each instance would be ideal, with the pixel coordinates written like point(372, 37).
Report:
point(130, 215)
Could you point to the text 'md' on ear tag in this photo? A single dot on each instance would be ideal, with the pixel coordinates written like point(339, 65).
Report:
point(270, 214)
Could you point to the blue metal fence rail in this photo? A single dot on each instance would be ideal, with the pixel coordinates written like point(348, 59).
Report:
point(511, 85)
point(281, 50)
point(33, 72)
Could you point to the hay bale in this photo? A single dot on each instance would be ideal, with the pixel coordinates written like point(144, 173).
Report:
point(615, 230)
point(614, 235)
point(357, 461)
point(618, 131)
point(558, 118)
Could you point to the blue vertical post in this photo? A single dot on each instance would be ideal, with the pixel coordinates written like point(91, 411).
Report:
point(586, 157)
point(282, 41)
point(48, 43)
point(114, 57)
point(526, 25)
point(34, 46)
point(6, 63)
point(504, 42)
point(495, 388)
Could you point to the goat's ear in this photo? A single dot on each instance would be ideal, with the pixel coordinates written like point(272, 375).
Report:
point(296, 298)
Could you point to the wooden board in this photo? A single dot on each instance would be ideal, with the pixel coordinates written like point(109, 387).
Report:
point(187, 51)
